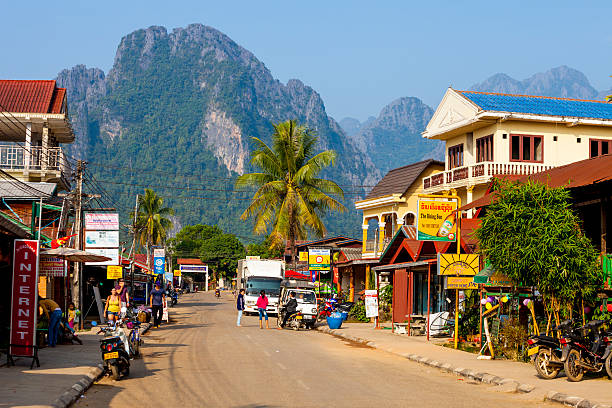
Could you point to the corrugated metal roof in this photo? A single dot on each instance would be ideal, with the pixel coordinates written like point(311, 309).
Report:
point(398, 180)
point(31, 96)
point(25, 189)
point(578, 174)
point(540, 105)
point(351, 254)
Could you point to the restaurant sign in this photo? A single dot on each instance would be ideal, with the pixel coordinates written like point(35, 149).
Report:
point(24, 307)
point(461, 283)
point(52, 267)
point(458, 264)
point(437, 220)
point(102, 221)
point(319, 259)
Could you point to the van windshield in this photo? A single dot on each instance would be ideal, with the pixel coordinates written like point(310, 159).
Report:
point(305, 297)
point(270, 285)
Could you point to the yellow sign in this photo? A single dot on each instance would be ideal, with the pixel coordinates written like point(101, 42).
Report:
point(253, 258)
point(319, 259)
point(460, 282)
point(458, 264)
point(114, 272)
point(498, 279)
point(177, 272)
point(437, 219)
point(303, 256)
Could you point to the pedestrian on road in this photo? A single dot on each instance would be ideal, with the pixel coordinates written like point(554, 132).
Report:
point(262, 305)
point(157, 301)
point(54, 314)
point(124, 295)
point(240, 306)
point(113, 307)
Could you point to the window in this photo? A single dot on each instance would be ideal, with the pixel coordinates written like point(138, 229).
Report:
point(409, 219)
point(484, 149)
point(526, 148)
point(455, 156)
point(599, 147)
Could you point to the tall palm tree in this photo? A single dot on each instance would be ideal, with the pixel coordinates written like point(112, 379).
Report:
point(290, 198)
point(152, 223)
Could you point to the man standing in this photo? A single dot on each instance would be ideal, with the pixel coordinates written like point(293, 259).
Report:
point(157, 302)
point(53, 313)
point(290, 308)
point(240, 306)
point(124, 295)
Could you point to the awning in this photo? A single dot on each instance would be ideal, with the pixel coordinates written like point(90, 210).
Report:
point(484, 274)
point(75, 255)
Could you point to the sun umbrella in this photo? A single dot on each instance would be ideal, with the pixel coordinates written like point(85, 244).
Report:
point(75, 255)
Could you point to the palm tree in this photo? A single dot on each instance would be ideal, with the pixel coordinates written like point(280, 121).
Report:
point(290, 198)
point(152, 223)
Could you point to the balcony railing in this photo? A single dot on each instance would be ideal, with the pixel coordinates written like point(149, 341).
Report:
point(35, 158)
point(478, 173)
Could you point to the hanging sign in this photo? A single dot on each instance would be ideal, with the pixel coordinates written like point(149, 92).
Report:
point(458, 264)
point(177, 272)
point(336, 275)
point(303, 256)
point(24, 303)
point(371, 303)
point(101, 239)
point(52, 267)
point(461, 282)
point(169, 276)
point(114, 272)
point(319, 259)
point(437, 220)
point(112, 253)
point(159, 260)
point(102, 221)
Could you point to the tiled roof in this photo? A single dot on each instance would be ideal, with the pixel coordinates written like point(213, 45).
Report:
point(31, 97)
point(398, 180)
point(352, 254)
point(540, 105)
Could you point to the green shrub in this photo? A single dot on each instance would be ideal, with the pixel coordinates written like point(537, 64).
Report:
point(358, 312)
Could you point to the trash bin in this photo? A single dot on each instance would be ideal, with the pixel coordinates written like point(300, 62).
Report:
point(344, 315)
point(334, 322)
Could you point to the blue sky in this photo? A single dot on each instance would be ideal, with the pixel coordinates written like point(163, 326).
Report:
point(359, 55)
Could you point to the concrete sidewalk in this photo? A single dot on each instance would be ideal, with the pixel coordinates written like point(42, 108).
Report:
point(510, 376)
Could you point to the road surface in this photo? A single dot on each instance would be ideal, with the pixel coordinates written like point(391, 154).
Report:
point(203, 360)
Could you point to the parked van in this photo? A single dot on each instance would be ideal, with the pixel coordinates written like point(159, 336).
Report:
point(306, 299)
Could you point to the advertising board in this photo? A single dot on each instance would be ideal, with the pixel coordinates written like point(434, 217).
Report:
point(101, 239)
point(458, 264)
point(112, 253)
point(159, 260)
point(24, 303)
point(114, 272)
point(436, 220)
point(371, 303)
point(461, 282)
point(319, 259)
point(52, 267)
point(102, 221)
point(193, 268)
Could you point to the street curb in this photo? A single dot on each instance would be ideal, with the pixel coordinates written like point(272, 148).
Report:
point(506, 385)
point(73, 393)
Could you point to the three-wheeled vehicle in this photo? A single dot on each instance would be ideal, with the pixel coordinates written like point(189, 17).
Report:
point(306, 299)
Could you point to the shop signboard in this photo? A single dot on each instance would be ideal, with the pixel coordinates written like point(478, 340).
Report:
point(371, 303)
point(303, 256)
point(101, 239)
point(436, 220)
point(319, 259)
point(194, 268)
point(24, 304)
point(159, 260)
point(461, 283)
point(102, 221)
point(112, 253)
point(458, 264)
point(177, 272)
point(499, 279)
point(336, 275)
point(52, 267)
point(169, 276)
point(114, 272)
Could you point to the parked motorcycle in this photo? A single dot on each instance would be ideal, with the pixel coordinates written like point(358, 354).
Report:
point(115, 352)
point(587, 349)
point(546, 352)
point(173, 297)
point(217, 293)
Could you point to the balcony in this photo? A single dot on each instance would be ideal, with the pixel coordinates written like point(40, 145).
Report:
point(36, 164)
point(477, 174)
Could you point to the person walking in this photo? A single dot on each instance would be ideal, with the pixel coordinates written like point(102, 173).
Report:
point(124, 295)
point(157, 301)
point(240, 306)
point(54, 314)
point(262, 305)
point(112, 307)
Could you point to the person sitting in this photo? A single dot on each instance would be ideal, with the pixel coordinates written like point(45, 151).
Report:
point(290, 308)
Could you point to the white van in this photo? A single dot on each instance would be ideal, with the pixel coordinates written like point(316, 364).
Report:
point(306, 299)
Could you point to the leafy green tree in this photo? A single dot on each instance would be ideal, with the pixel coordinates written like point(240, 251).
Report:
point(265, 249)
point(291, 197)
point(531, 235)
point(152, 222)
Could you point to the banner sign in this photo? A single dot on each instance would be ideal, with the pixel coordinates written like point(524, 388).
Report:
point(169, 276)
point(114, 272)
point(102, 221)
point(194, 268)
point(461, 282)
point(159, 260)
point(101, 239)
point(437, 220)
point(112, 253)
point(371, 303)
point(313, 276)
point(303, 256)
point(24, 308)
point(177, 273)
point(458, 264)
point(52, 267)
point(319, 259)
point(336, 275)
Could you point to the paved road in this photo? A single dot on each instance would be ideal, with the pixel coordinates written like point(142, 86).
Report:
point(204, 360)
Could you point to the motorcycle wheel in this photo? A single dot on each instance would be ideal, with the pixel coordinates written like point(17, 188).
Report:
point(573, 371)
point(126, 371)
point(543, 367)
point(136, 348)
point(115, 372)
point(608, 365)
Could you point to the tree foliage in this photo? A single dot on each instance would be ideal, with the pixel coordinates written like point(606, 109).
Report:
point(531, 235)
point(265, 249)
point(291, 198)
point(152, 222)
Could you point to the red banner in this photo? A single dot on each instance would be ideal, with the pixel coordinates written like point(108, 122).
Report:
point(336, 275)
point(24, 310)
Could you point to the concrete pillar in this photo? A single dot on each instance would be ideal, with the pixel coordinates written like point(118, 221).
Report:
point(469, 191)
point(367, 277)
point(381, 236)
point(364, 237)
point(28, 146)
point(352, 285)
point(44, 159)
point(399, 222)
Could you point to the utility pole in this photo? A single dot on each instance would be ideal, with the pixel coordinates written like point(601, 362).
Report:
point(77, 274)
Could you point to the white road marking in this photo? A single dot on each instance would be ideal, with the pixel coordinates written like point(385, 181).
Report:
point(266, 353)
point(281, 366)
point(303, 385)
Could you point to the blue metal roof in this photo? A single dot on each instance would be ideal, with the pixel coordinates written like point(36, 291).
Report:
point(540, 105)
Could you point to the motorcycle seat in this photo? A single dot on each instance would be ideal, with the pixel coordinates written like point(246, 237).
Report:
point(548, 338)
point(111, 338)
